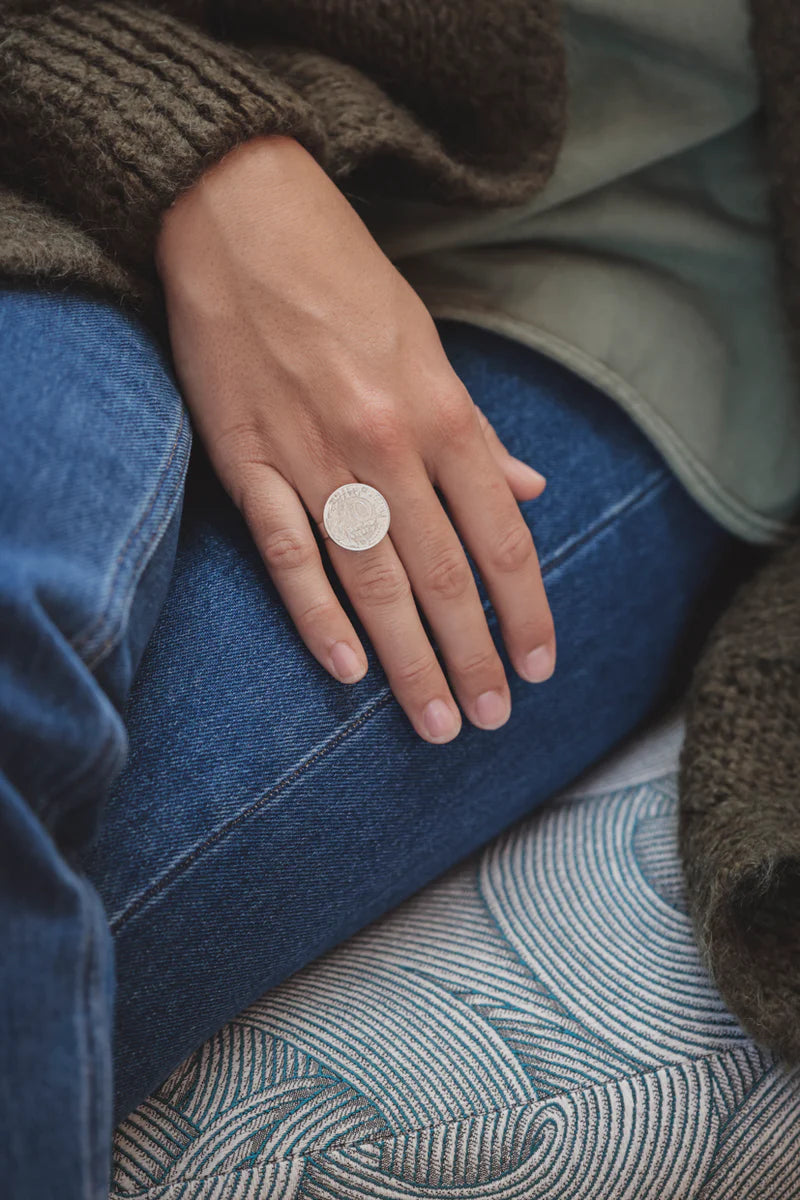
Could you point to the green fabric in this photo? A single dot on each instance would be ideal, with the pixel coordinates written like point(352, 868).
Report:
point(647, 264)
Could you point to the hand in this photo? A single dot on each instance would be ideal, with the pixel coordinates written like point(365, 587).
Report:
point(307, 361)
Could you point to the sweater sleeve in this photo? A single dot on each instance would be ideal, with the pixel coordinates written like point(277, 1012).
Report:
point(109, 110)
point(739, 813)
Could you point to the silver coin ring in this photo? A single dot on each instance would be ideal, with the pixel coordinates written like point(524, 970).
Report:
point(356, 516)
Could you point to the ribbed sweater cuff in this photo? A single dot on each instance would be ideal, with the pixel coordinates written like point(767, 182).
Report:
point(123, 107)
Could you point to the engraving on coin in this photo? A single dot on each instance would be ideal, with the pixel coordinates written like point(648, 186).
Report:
point(356, 516)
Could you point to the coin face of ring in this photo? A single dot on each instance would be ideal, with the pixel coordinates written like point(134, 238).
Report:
point(356, 516)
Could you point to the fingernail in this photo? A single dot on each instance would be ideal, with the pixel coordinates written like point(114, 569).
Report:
point(492, 709)
point(439, 719)
point(345, 663)
point(539, 665)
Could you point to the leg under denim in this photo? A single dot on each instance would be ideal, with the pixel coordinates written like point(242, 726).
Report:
point(264, 811)
point(95, 447)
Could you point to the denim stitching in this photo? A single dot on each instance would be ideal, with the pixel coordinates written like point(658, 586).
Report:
point(620, 508)
point(106, 760)
point(80, 640)
point(653, 484)
point(178, 867)
point(113, 635)
point(96, 1019)
point(79, 643)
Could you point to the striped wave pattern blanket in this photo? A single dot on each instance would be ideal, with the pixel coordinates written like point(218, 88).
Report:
point(536, 1024)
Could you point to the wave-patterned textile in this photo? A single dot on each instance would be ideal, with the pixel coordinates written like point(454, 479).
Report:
point(534, 1025)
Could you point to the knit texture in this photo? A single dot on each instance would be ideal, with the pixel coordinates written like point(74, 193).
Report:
point(739, 826)
point(739, 823)
point(109, 109)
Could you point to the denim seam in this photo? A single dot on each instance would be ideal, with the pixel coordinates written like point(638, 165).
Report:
point(651, 486)
point(178, 867)
point(106, 759)
point(113, 635)
point(617, 510)
point(654, 483)
point(93, 1015)
point(81, 641)
point(163, 1191)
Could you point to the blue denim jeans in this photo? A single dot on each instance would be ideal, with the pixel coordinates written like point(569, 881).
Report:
point(191, 808)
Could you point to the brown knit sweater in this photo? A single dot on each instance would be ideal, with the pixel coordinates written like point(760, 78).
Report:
point(109, 109)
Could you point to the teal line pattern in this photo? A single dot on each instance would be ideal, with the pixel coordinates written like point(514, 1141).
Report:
point(535, 1025)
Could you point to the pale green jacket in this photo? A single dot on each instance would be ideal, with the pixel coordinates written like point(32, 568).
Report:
point(647, 264)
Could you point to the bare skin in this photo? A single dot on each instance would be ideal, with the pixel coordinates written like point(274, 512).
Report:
point(307, 362)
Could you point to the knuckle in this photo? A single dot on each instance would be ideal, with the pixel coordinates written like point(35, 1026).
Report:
point(319, 614)
point(240, 443)
point(448, 576)
point(286, 549)
point(379, 584)
point(382, 428)
point(481, 663)
point(240, 458)
point(317, 447)
point(455, 417)
point(513, 549)
point(415, 671)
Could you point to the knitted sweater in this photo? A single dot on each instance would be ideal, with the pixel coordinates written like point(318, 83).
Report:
point(109, 109)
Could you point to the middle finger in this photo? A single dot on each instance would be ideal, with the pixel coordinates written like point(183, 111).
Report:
point(379, 589)
point(424, 548)
point(442, 579)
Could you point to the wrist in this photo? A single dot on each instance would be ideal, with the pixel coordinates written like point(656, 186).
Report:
point(260, 163)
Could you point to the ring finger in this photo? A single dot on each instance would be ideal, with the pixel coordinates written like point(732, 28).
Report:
point(427, 548)
point(378, 585)
point(423, 552)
